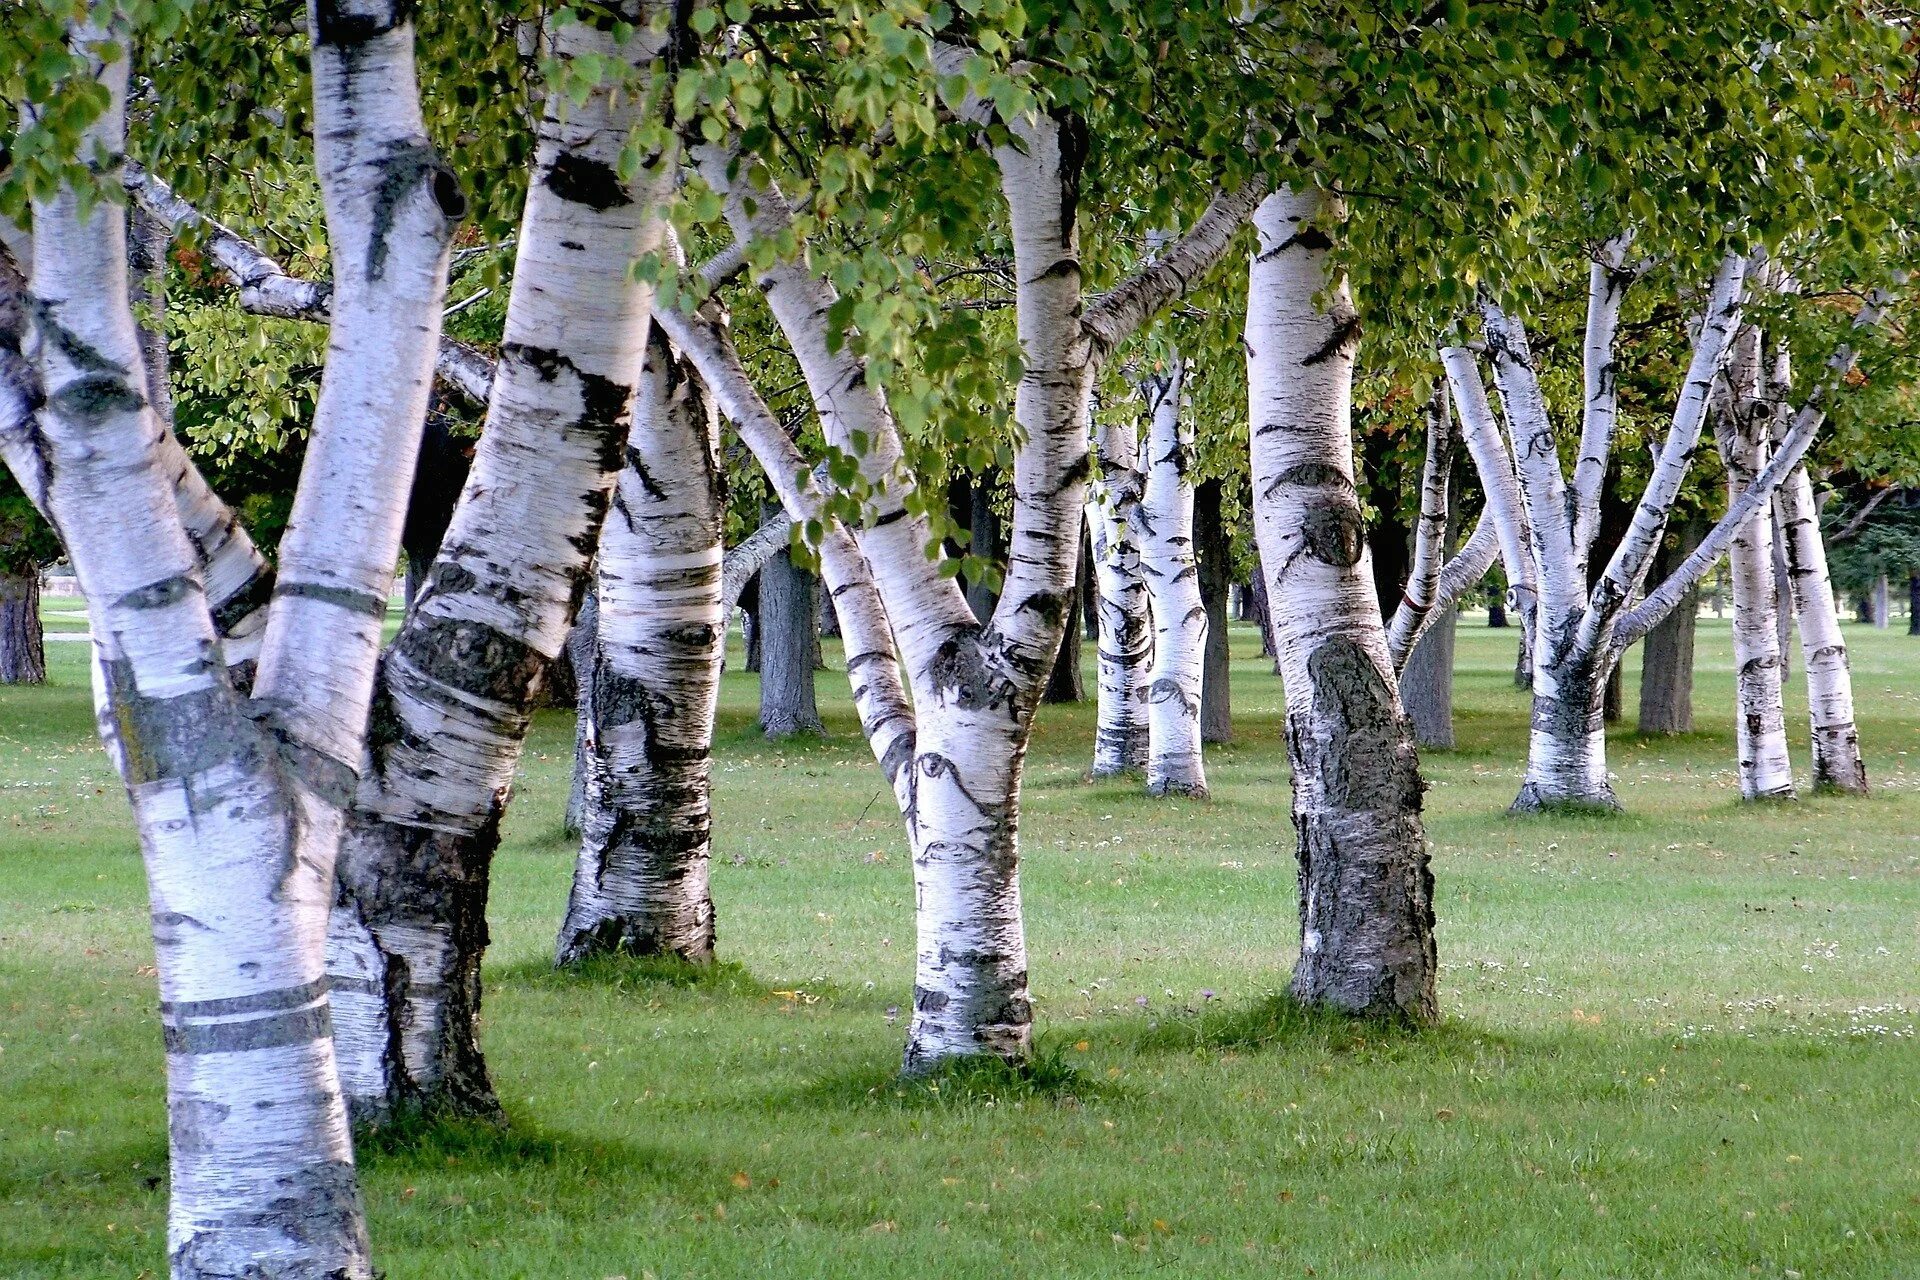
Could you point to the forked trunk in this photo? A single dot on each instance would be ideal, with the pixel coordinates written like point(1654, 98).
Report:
point(641, 883)
point(23, 656)
point(1174, 764)
point(458, 684)
point(1366, 889)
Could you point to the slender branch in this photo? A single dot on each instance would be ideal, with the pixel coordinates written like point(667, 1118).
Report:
point(1121, 312)
point(1852, 526)
point(1430, 534)
point(1607, 285)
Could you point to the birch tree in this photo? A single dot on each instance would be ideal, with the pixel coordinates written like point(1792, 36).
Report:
point(1172, 574)
point(1124, 650)
point(239, 800)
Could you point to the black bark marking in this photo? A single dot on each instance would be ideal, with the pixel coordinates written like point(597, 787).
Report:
point(259, 1002)
point(583, 180)
point(158, 595)
point(336, 27)
point(1343, 337)
point(1075, 144)
point(467, 656)
point(300, 1026)
point(364, 603)
point(605, 405)
point(1333, 533)
point(181, 736)
point(96, 396)
point(254, 594)
point(408, 164)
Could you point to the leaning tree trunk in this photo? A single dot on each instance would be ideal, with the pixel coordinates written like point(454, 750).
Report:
point(1426, 683)
point(1823, 649)
point(1366, 889)
point(640, 885)
point(1760, 725)
point(1125, 652)
point(23, 656)
point(788, 623)
point(1211, 545)
point(1174, 762)
point(409, 928)
point(1666, 655)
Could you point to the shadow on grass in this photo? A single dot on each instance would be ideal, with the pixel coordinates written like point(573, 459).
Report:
point(1046, 1076)
point(635, 973)
point(1277, 1021)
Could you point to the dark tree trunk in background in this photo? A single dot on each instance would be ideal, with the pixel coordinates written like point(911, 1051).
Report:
point(1496, 607)
point(1212, 547)
point(829, 617)
point(1064, 683)
point(437, 481)
point(788, 629)
point(986, 544)
point(1863, 608)
point(750, 623)
point(1426, 683)
point(1783, 616)
point(1613, 700)
point(23, 654)
point(1616, 518)
point(1913, 604)
point(1263, 616)
point(1523, 663)
point(1666, 655)
point(579, 653)
point(1088, 588)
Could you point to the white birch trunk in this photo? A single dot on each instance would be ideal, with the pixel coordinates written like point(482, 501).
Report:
point(1174, 763)
point(409, 928)
point(1837, 765)
point(1765, 770)
point(641, 882)
point(1124, 622)
point(1366, 890)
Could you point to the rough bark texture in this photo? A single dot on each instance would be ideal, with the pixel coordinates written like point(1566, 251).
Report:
point(640, 885)
point(1366, 889)
point(1666, 656)
point(23, 656)
point(788, 625)
point(458, 684)
point(1210, 543)
point(1172, 574)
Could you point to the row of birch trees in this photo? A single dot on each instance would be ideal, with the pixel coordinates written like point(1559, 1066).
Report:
point(319, 806)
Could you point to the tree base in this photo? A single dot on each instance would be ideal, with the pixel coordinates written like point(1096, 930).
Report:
point(640, 938)
point(1177, 789)
point(1532, 800)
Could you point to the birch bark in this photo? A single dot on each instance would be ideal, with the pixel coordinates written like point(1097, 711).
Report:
point(1837, 765)
point(409, 927)
point(976, 686)
point(641, 882)
point(1124, 651)
point(1366, 890)
point(1174, 761)
point(1741, 430)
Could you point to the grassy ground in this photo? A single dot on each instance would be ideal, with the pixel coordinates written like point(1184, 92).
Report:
point(1677, 1043)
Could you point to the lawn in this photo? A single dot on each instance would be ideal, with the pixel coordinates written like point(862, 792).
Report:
point(1678, 1043)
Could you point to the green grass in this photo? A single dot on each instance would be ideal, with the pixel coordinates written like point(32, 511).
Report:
point(1678, 1043)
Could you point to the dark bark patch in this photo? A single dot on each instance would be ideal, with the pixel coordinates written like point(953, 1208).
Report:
point(364, 603)
point(471, 657)
point(408, 164)
point(1333, 533)
point(96, 396)
point(337, 27)
point(1363, 765)
point(583, 180)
